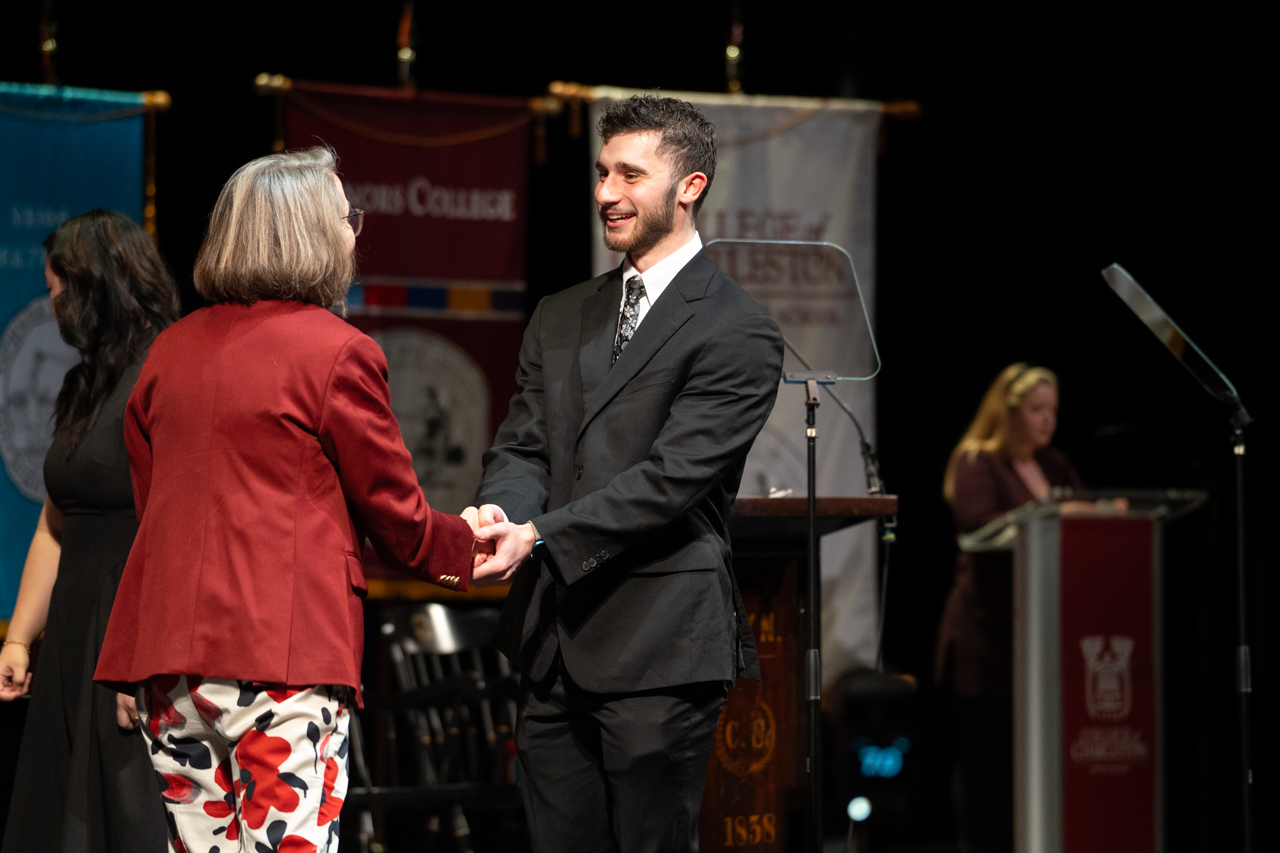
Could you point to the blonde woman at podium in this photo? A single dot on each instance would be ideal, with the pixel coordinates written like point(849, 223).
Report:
point(1003, 461)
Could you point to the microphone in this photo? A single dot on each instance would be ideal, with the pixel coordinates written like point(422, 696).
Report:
point(871, 463)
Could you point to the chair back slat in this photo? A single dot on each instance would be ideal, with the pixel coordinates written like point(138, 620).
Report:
point(451, 699)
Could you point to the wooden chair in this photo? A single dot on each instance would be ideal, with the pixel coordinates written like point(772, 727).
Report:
point(452, 710)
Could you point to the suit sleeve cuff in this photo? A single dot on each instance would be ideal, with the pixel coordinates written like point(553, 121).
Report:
point(569, 565)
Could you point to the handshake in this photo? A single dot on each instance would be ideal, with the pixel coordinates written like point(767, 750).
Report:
point(499, 547)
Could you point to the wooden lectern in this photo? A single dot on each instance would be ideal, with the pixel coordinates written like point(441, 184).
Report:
point(1086, 667)
point(755, 789)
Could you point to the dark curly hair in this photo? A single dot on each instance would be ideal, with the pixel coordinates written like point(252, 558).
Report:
point(688, 139)
point(117, 296)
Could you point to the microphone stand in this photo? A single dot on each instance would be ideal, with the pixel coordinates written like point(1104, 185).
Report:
point(1216, 383)
point(875, 486)
point(813, 655)
point(1244, 668)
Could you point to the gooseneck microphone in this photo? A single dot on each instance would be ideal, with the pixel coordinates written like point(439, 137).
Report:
point(870, 461)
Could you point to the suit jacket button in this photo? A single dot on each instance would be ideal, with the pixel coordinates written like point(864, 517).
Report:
point(604, 555)
point(592, 562)
point(586, 565)
point(577, 474)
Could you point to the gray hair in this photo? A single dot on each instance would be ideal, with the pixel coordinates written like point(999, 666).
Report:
point(276, 232)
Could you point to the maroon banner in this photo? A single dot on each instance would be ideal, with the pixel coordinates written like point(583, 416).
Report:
point(442, 178)
point(443, 181)
point(1110, 737)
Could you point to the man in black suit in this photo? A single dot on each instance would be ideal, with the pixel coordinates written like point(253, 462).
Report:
point(640, 393)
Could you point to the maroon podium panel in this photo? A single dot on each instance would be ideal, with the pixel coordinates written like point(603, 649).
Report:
point(1109, 686)
point(755, 792)
point(753, 777)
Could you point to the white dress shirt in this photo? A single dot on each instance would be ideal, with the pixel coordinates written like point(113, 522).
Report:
point(658, 276)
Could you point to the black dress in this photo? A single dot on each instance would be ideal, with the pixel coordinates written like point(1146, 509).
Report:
point(83, 783)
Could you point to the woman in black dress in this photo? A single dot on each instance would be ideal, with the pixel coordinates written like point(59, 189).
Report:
point(84, 780)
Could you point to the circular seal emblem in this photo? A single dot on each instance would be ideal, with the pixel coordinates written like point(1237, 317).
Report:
point(33, 360)
point(745, 739)
point(441, 399)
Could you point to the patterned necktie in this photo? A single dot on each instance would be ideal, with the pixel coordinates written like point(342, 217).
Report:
point(630, 316)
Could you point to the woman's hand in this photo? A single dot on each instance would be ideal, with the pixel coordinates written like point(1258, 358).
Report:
point(126, 712)
point(15, 677)
point(472, 517)
point(1106, 506)
point(32, 607)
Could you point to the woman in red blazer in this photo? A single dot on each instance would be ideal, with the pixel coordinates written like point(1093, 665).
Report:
point(263, 452)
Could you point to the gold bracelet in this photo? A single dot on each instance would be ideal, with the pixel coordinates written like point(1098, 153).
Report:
point(16, 643)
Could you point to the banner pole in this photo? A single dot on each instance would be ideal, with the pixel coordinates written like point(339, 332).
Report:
point(156, 101)
point(277, 86)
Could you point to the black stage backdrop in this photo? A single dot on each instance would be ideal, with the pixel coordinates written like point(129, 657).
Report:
point(1053, 142)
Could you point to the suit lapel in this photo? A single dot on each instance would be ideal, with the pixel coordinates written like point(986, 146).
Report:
point(599, 327)
point(667, 315)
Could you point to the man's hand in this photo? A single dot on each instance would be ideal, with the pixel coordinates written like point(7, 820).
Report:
point(483, 517)
point(491, 514)
point(126, 712)
point(511, 545)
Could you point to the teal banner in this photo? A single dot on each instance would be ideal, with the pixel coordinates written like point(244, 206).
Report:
point(62, 151)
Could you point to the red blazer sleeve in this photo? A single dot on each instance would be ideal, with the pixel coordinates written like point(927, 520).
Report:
point(361, 437)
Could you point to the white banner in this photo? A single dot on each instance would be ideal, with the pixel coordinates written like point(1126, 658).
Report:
point(803, 169)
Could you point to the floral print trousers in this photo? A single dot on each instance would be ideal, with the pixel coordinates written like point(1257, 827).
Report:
point(247, 766)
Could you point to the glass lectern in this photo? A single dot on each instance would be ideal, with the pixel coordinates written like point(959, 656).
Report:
point(1086, 667)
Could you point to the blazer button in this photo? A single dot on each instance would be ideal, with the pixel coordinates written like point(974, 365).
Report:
point(586, 565)
point(592, 562)
point(577, 474)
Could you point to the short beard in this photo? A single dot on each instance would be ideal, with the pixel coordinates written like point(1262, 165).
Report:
point(649, 231)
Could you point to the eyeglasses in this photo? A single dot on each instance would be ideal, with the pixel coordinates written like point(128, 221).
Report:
point(356, 219)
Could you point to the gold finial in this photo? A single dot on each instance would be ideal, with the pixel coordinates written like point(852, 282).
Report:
point(567, 91)
point(901, 109)
point(158, 100)
point(271, 84)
